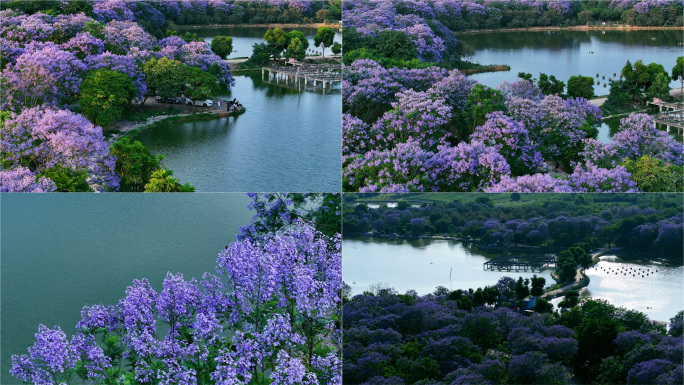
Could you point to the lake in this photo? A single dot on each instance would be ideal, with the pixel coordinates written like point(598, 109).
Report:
point(424, 264)
point(420, 265)
point(567, 53)
point(245, 37)
point(287, 140)
point(63, 251)
point(656, 294)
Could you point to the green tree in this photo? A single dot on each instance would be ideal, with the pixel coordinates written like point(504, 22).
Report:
point(570, 300)
point(324, 38)
point(543, 306)
point(294, 34)
point(585, 17)
point(67, 179)
point(261, 54)
point(481, 101)
point(322, 15)
point(105, 95)
point(654, 175)
point(222, 46)
point(295, 50)
point(162, 180)
point(403, 205)
point(395, 44)
point(550, 85)
point(522, 289)
point(537, 285)
point(164, 77)
point(278, 39)
point(581, 87)
point(199, 84)
point(336, 48)
point(678, 72)
point(134, 164)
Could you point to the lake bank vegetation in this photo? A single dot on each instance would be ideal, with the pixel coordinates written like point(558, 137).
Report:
point(413, 123)
point(650, 223)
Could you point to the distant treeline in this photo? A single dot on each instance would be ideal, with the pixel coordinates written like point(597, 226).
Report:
point(158, 16)
point(652, 223)
point(562, 13)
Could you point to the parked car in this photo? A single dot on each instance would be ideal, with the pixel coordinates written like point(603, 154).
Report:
point(159, 99)
point(203, 103)
point(175, 100)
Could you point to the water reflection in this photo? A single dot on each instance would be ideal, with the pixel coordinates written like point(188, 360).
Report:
point(286, 141)
point(245, 37)
point(420, 264)
point(650, 287)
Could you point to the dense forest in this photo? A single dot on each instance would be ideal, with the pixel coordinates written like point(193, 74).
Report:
point(157, 16)
point(648, 223)
point(395, 339)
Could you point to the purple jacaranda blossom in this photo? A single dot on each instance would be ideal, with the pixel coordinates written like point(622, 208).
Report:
point(96, 317)
point(21, 179)
point(512, 139)
point(51, 357)
point(50, 137)
point(42, 74)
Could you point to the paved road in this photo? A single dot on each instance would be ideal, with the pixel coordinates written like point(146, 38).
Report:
point(599, 102)
point(578, 277)
point(235, 61)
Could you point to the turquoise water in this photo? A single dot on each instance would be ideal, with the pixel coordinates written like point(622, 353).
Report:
point(63, 251)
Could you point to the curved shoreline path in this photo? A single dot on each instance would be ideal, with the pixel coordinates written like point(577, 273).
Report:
point(579, 277)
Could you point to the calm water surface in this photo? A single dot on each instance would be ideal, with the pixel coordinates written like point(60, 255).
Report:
point(567, 53)
point(287, 140)
point(660, 295)
point(63, 251)
point(245, 37)
point(420, 265)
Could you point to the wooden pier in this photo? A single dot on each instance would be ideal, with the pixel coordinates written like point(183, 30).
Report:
point(671, 117)
point(323, 75)
point(509, 262)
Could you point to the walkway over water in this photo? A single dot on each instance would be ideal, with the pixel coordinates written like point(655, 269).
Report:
point(324, 75)
point(673, 116)
point(510, 262)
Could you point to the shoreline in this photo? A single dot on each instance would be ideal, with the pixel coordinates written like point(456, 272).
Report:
point(572, 28)
point(268, 25)
point(125, 128)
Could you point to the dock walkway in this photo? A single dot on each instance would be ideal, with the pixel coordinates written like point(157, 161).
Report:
point(323, 75)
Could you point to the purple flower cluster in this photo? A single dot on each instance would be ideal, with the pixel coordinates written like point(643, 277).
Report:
point(48, 137)
point(278, 299)
point(370, 17)
point(637, 137)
